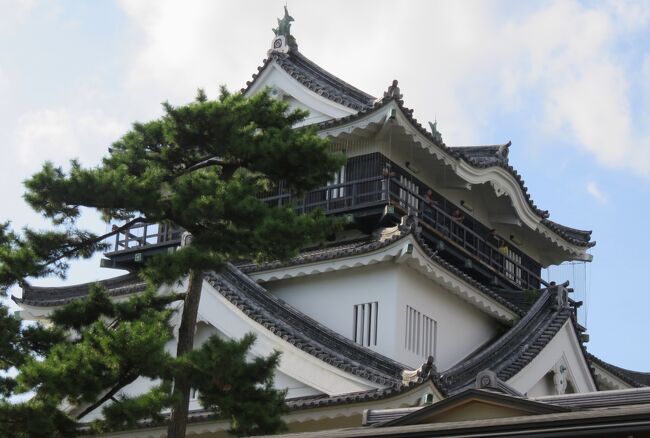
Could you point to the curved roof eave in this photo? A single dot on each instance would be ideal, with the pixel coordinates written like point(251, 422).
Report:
point(303, 332)
point(574, 240)
point(315, 79)
point(501, 307)
point(633, 378)
point(44, 296)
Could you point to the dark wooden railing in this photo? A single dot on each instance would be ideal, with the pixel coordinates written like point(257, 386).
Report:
point(144, 235)
point(440, 225)
point(336, 198)
point(452, 231)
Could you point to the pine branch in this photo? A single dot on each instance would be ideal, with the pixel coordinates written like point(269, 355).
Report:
point(108, 396)
point(228, 167)
point(91, 242)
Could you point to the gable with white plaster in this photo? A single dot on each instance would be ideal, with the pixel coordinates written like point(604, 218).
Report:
point(284, 87)
point(564, 348)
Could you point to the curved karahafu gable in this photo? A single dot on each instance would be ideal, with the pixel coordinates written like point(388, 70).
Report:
point(475, 165)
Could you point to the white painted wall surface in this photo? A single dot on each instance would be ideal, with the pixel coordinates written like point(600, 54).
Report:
point(329, 298)
point(461, 328)
point(544, 386)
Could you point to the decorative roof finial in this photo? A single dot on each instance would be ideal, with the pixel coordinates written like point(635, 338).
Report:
point(284, 24)
point(434, 130)
point(283, 40)
point(393, 92)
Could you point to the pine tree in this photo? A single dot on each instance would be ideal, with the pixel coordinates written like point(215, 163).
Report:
point(200, 167)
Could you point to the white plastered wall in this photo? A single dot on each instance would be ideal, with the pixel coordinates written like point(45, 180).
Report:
point(461, 328)
point(330, 299)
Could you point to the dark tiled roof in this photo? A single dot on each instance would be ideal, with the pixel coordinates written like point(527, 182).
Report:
point(599, 399)
point(316, 79)
point(319, 401)
point(56, 296)
point(575, 236)
point(301, 403)
point(634, 378)
point(483, 155)
point(393, 94)
point(557, 403)
point(515, 349)
point(520, 403)
point(302, 331)
point(338, 250)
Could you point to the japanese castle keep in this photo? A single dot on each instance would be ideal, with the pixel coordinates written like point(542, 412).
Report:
point(428, 311)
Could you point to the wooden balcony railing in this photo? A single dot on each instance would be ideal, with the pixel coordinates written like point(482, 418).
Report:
point(336, 198)
point(144, 235)
point(511, 263)
point(445, 231)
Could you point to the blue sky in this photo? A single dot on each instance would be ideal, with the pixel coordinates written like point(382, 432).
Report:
point(567, 82)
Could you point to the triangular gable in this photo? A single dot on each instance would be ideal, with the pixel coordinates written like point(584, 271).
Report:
point(475, 404)
point(560, 367)
point(301, 83)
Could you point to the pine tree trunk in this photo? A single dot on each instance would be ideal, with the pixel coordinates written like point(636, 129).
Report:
point(178, 418)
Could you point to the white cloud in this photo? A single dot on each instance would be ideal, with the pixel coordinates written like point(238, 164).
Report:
point(61, 134)
point(556, 64)
point(5, 87)
point(573, 61)
point(15, 12)
point(594, 191)
point(181, 46)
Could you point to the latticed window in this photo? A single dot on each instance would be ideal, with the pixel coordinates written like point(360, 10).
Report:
point(512, 267)
point(339, 178)
point(364, 324)
point(408, 196)
point(420, 334)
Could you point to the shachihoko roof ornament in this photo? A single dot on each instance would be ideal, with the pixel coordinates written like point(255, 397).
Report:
point(434, 131)
point(283, 40)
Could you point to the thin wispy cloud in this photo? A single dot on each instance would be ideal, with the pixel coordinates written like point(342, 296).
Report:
point(595, 192)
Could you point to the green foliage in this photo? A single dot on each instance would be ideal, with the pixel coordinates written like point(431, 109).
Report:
point(17, 343)
point(236, 388)
point(34, 419)
point(102, 357)
point(39, 254)
point(127, 411)
point(200, 167)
